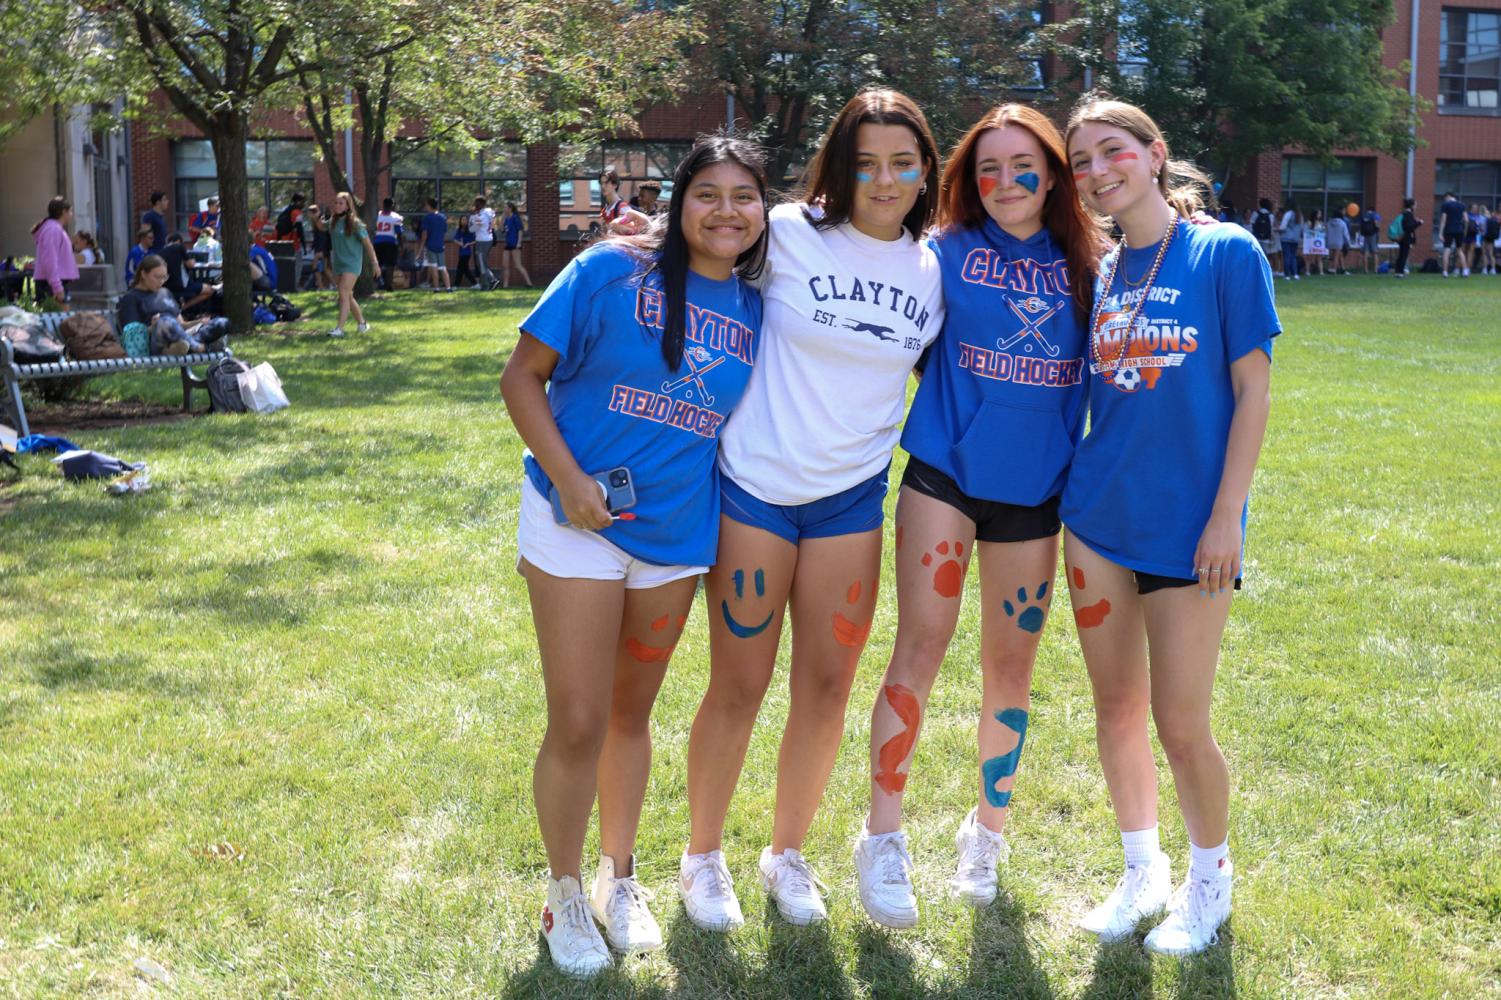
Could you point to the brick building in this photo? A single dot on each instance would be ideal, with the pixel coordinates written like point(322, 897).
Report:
point(1454, 50)
point(1455, 53)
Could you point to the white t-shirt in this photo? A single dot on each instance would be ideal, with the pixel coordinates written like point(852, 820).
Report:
point(845, 318)
point(483, 223)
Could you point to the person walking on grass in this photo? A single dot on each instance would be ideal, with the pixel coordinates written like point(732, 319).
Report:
point(513, 225)
point(852, 298)
point(610, 340)
point(434, 233)
point(482, 223)
point(1018, 255)
point(351, 246)
point(1155, 505)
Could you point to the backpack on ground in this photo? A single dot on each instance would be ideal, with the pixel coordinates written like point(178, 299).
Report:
point(283, 309)
point(1261, 225)
point(88, 336)
point(1394, 231)
point(223, 379)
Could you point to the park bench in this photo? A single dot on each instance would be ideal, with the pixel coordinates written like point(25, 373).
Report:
point(14, 374)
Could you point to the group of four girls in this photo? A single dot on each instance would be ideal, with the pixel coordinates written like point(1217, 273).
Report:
point(748, 368)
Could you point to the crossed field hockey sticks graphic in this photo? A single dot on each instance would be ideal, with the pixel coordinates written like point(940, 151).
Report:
point(1030, 326)
point(695, 373)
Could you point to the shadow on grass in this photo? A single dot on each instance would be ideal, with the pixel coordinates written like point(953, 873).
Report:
point(884, 964)
point(1001, 957)
point(1124, 970)
point(1212, 973)
point(706, 962)
point(61, 665)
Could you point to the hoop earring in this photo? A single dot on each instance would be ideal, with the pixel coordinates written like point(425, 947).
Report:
point(923, 189)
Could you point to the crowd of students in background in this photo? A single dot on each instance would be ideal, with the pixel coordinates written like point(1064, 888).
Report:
point(1357, 241)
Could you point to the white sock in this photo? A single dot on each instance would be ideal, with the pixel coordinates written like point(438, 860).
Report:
point(1141, 846)
point(1207, 862)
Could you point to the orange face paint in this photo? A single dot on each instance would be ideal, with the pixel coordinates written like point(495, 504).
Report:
point(1093, 616)
point(1123, 156)
point(847, 633)
point(659, 624)
point(642, 653)
point(988, 186)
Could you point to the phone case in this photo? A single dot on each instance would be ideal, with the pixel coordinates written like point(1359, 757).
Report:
point(616, 497)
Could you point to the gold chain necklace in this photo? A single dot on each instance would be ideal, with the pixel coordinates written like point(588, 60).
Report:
point(1150, 280)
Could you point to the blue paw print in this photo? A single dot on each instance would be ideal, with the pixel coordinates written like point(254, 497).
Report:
point(1032, 616)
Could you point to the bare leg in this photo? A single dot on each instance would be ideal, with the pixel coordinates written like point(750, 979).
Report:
point(746, 593)
point(1184, 631)
point(651, 626)
point(833, 601)
point(578, 627)
point(1112, 635)
point(928, 596)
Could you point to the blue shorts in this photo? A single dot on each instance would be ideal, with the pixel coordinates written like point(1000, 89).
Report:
point(860, 508)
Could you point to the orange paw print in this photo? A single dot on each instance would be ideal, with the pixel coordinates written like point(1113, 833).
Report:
point(948, 578)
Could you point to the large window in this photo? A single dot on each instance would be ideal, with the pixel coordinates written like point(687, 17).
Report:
point(1310, 185)
point(274, 170)
point(1473, 182)
point(1469, 62)
point(635, 162)
point(419, 170)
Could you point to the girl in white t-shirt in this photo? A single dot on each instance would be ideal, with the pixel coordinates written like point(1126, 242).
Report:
point(852, 297)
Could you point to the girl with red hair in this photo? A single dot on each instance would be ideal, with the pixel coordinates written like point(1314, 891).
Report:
point(991, 433)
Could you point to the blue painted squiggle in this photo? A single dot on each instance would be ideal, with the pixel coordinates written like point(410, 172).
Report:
point(1004, 766)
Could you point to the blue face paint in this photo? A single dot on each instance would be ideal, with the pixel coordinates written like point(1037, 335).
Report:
point(863, 177)
point(908, 176)
point(739, 577)
point(760, 583)
point(997, 768)
point(1032, 616)
point(742, 631)
point(1029, 180)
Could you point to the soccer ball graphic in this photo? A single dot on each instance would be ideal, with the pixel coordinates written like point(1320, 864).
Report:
point(1127, 379)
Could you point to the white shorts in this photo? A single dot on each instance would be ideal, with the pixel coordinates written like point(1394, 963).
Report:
point(565, 551)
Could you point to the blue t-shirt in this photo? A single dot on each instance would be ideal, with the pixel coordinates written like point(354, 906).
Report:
point(132, 261)
point(465, 240)
point(617, 403)
point(1453, 212)
point(262, 256)
point(1001, 402)
point(512, 226)
point(158, 225)
point(1145, 477)
point(435, 231)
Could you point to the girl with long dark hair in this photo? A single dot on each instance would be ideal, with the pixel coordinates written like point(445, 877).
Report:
point(991, 433)
point(1155, 505)
point(626, 370)
point(852, 298)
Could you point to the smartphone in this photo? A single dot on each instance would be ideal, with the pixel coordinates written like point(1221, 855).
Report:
point(615, 485)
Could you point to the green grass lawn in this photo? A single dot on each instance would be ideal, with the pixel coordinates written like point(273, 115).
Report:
point(271, 725)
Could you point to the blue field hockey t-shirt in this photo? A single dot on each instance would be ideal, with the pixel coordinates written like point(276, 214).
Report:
point(1145, 477)
point(512, 226)
point(434, 231)
point(1001, 402)
point(617, 403)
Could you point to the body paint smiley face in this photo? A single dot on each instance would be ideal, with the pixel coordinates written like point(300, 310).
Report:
point(736, 628)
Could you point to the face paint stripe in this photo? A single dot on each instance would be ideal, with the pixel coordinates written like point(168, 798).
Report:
point(895, 750)
point(988, 186)
point(908, 176)
point(863, 177)
point(999, 768)
point(1123, 156)
point(1029, 180)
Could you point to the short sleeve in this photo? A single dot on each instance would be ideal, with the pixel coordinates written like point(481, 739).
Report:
point(560, 318)
point(360, 231)
point(1247, 301)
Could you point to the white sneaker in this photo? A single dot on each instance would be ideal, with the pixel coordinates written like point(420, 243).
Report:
point(1143, 891)
point(708, 892)
point(792, 885)
point(1194, 923)
point(572, 939)
point(337, 331)
point(619, 904)
point(885, 870)
point(980, 851)
point(362, 328)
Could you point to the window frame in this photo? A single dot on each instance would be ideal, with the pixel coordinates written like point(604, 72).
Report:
point(1330, 201)
point(498, 170)
point(1448, 76)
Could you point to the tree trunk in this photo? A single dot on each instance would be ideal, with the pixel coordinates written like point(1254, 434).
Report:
point(228, 141)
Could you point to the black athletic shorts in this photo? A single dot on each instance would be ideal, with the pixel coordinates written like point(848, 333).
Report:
point(1453, 239)
point(1146, 583)
point(994, 521)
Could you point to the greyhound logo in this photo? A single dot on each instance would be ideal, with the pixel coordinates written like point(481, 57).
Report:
point(879, 332)
point(699, 362)
point(1033, 312)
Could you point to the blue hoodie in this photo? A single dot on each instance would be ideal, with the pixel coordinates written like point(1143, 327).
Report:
point(1001, 404)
